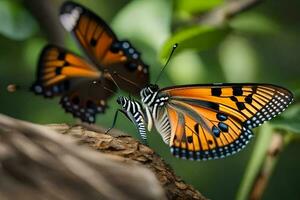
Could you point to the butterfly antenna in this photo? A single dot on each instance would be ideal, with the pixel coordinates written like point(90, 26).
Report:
point(107, 89)
point(127, 80)
point(113, 80)
point(161, 71)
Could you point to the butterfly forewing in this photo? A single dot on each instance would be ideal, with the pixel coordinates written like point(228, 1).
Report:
point(83, 88)
point(86, 98)
point(102, 46)
point(56, 67)
point(202, 135)
point(213, 121)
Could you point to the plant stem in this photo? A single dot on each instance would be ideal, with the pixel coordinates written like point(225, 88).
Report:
point(255, 163)
point(260, 184)
point(227, 11)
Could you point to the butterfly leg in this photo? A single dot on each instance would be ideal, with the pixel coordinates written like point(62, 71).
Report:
point(115, 119)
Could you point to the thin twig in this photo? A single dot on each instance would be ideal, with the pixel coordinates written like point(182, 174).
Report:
point(261, 182)
point(227, 11)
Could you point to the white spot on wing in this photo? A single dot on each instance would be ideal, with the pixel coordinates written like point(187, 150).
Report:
point(69, 20)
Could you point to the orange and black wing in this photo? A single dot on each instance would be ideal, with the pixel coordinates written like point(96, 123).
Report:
point(99, 42)
point(214, 121)
point(62, 73)
point(56, 67)
point(86, 98)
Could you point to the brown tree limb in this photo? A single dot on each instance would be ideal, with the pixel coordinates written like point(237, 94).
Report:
point(38, 163)
point(120, 144)
point(46, 14)
point(227, 11)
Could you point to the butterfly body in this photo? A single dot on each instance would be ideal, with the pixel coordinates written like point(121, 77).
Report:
point(202, 122)
point(135, 113)
point(86, 84)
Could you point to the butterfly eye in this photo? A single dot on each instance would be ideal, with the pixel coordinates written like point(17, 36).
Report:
point(153, 87)
point(120, 100)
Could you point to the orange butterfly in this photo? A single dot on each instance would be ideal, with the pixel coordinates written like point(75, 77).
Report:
point(85, 85)
point(203, 122)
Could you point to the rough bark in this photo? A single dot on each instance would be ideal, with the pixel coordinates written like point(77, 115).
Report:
point(38, 163)
point(121, 144)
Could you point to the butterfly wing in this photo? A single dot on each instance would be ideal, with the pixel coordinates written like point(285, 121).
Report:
point(214, 121)
point(62, 73)
point(102, 46)
point(56, 67)
point(86, 98)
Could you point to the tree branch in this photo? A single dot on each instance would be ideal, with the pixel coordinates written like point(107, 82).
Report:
point(38, 163)
point(118, 143)
point(46, 13)
point(227, 11)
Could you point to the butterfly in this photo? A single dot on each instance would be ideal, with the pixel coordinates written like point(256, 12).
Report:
point(205, 121)
point(85, 84)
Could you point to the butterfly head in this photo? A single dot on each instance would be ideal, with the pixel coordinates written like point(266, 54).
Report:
point(122, 101)
point(148, 92)
point(153, 87)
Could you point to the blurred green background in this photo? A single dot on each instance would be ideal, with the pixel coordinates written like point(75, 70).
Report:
point(258, 45)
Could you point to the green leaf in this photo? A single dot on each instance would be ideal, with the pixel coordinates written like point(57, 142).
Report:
point(254, 23)
point(16, 22)
point(181, 73)
point(292, 125)
point(32, 50)
point(297, 95)
point(238, 60)
point(289, 120)
point(196, 6)
point(144, 21)
point(198, 38)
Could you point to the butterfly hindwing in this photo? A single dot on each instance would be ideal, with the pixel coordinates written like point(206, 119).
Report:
point(56, 67)
point(83, 88)
point(213, 121)
point(206, 136)
point(104, 49)
point(86, 98)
